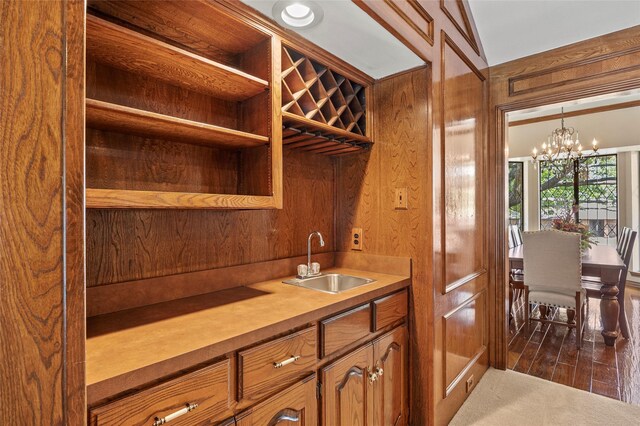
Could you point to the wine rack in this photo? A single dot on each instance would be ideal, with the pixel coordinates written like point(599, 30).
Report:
point(323, 111)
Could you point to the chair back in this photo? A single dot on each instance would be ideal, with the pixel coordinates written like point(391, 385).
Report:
point(627, 250)
point(510, 236)
point(553, 261)
point(516, 235)
point(624, 235)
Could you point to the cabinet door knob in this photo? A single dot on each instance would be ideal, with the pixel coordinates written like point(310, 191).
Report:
point(373, 377)
point(281, 364)
point(166, 419)
point(379, 371)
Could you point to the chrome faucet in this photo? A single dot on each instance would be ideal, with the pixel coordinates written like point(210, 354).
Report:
point(309, 270)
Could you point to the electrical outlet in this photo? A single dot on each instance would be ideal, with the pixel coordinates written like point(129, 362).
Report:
point(401, 201)
point(357, 239)
point(470, 383)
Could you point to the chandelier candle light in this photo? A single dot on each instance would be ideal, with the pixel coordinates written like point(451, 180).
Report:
point(562, 144)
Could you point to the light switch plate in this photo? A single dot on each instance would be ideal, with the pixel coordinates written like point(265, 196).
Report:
point(356, 239)
point(401, 199)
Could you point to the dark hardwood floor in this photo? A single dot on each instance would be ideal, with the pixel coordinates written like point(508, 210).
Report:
point(549, 352)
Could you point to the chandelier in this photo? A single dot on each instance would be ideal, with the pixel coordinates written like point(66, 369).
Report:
point(562, 146)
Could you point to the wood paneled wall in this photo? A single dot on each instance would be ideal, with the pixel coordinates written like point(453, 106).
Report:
point(41, 221)
point(599, 66)
point(400, 158)
point(431, 137)
point(124, 245)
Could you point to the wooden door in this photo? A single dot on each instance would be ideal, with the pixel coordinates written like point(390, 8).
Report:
point(390, 401)
point(460, 274)
point(347, 392)
point(296, 406)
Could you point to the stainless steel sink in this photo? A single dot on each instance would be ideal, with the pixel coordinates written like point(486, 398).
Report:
point(330, 283)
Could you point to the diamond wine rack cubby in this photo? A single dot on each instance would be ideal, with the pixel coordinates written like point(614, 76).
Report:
point(322, 111)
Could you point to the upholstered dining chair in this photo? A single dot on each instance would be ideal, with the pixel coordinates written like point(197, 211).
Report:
point(592, 284)
point(552, 260)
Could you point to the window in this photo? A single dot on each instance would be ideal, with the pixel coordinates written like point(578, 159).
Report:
point(593, 184)
point(516, 194)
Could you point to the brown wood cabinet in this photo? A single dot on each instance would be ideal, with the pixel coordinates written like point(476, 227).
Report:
point(203, 395)
point(297, 406)
point(369, 385)
point(390, 390)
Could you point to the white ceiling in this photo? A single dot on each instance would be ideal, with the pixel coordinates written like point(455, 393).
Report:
point(353, 36)
point(511, 29)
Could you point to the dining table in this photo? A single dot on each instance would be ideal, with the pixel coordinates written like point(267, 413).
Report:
point(599, 261)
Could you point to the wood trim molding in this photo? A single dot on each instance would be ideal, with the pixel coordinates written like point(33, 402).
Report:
point(462, 281)
point(426, 35)
point(467, 32)
point(448, 388)
point(585, 70)
point(594, 110)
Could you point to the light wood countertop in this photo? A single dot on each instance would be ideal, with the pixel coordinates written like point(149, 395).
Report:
point(129, 348)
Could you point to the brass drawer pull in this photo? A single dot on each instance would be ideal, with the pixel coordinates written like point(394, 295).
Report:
point(281, 364)
point(173, 416)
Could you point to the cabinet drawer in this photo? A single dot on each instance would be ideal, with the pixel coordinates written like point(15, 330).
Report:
point(297, 405)
point(208, 387)
point(389, 310)
point(276, 364)
point(342, 330)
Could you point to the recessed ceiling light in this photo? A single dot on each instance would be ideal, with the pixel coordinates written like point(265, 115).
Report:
point(297, 14)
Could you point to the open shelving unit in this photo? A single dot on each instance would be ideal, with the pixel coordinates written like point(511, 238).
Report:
point(179, 108)
point(323, 111)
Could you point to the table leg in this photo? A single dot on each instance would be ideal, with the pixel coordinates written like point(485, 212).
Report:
point(609, 306)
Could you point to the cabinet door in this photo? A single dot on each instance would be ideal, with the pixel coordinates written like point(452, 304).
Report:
point(347, 392)
point(296, 406)
point(390, 388)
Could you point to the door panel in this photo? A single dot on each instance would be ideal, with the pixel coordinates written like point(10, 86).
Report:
point(347, 394)
point(460, 237)
point(390, 389)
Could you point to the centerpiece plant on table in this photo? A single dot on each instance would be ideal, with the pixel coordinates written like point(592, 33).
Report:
point(566, 222)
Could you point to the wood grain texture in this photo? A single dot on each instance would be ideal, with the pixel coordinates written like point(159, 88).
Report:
point(296, 406)
point(400, 158)
point(74, 160)
point(389, 310)
point(344, 329)
point(266, 309)
point(131, 245)
point(123, 48)
point(376, 263)
point(209, 387)
point(209, 32)
point(33, 131)
point(347, 394)
point(391, 390)
point(107, 298)
point(461, 240)
point(257, 375)
point(118, 118)
point(579, 70)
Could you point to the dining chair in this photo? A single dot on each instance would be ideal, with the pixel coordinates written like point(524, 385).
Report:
point(510, 236)
point(622, 239)
point(592, 285)
point(516, 234)
point(553, 276)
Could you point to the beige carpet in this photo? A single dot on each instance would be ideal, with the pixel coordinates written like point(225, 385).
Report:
point(510, 398)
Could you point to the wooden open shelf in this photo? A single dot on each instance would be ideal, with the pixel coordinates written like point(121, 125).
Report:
point(96, 198)
point(111, 117)
point(123, 48)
